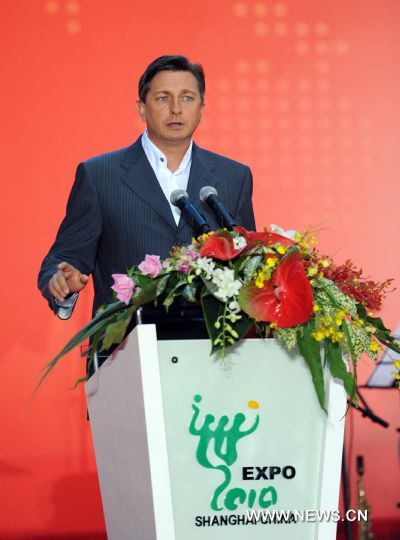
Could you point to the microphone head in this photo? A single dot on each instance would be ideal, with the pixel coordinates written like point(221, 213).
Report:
point(206, 191)
point(178, 194)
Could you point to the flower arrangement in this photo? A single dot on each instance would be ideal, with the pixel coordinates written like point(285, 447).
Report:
point(274, 280)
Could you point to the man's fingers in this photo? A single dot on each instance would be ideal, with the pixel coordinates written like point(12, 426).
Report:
point(58, 286)
point(71, 274)
point(54, 292)
point(67, 279)
point(63, 265)
point(67, 268)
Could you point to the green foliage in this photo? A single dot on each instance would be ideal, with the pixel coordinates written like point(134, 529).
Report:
point(189, 293)
point(115, 331)
point(176, 282)
point(382, 333)
point(95, 328)
point(213, 309)
point(249, 266)
point(222, 330)
point(311, 351)
point(338, 368)
point(211, 287)
point(339, 324)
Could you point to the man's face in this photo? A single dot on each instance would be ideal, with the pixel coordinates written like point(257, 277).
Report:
point(173, 107)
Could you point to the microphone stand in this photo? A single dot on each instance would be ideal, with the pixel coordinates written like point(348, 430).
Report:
point(366, 412)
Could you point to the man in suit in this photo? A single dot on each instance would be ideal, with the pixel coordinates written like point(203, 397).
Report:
point(119, 210)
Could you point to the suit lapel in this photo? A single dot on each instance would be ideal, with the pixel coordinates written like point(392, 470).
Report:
point(140, 177)
point(200, 176)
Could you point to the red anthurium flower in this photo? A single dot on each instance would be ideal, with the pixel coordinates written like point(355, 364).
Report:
point(266, 238)
point(274, 238)
point(286, 300)
point(220, 246)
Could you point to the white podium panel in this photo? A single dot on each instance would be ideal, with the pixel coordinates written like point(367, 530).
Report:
point(187, 446)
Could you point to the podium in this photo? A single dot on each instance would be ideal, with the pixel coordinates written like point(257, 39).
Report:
point(193, 447)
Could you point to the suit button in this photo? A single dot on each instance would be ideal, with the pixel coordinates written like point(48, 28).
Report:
point(180, 243)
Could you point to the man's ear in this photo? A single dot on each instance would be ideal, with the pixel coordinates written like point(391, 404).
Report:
point(141, 109)
point(202, 110)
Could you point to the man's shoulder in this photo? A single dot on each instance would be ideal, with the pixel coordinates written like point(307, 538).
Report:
point(219, 160)
point(114, 157)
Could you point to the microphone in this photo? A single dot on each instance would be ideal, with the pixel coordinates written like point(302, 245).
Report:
point(209, 195)
point(180, 198)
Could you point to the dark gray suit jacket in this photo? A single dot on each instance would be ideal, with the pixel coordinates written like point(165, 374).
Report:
point(117, 213)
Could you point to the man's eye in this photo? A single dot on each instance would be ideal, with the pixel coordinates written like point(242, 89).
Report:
point(162, 98)
point(187, 98)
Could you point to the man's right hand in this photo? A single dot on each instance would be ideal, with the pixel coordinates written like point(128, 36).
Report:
point(66, 280)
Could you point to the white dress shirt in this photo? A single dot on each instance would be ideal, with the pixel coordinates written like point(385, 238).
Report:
point(169, 181)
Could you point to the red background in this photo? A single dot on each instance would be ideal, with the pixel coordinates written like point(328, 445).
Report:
point(304, 91)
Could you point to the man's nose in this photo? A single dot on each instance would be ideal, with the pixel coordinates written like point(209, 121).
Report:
point(175, 106)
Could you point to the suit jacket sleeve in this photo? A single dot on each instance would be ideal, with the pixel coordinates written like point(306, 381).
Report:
point(245, 213)
point(78, 235)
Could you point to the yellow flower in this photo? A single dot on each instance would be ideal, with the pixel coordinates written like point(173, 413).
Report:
point(319, 336)
point(315, 308)
point(281, 250)
point(324, 263)
point(337, 336)
point(370, 328)
point(374, 346)
point(271, 262)
point(298, 237)
point(204, 237)
point(312, 270)
point(396, 364)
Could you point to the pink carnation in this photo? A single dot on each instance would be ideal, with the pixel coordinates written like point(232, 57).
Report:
point(151, 266)
point(123, 286)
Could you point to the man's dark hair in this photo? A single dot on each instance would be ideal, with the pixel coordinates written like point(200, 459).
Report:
point(171, 63)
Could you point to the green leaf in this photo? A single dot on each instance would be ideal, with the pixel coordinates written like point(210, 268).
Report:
point(189, 293)
point(242, 325)
point(338, 368)
point(180, 280)
point(79, 381)
point(115, 331)
point(310, 349)
point(142, 281)
point(95, 326)
point(249, 267)
point(382, 333)
point(212, 309)
point(347, 335)
point(147, 293)
point(211, 287)
point(162, 284)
